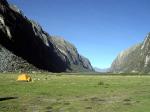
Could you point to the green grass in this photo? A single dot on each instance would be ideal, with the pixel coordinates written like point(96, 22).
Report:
point(75, 93)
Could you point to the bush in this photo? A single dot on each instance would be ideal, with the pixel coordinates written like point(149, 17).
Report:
point(100, 83)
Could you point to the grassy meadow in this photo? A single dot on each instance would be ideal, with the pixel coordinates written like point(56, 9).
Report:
point(75, 93)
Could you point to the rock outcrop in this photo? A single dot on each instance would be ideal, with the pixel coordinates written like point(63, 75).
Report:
point(77, 61)
point(10, 62)
point(26, 39)
point(133, 60)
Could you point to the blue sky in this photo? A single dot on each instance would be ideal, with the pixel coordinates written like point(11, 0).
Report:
point(100, 29)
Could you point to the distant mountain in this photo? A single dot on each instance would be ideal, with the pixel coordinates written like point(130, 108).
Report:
point(24, 45)
point(101, 70)
point(134, 60)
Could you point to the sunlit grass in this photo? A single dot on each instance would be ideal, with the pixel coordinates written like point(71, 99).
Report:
point(75, 93)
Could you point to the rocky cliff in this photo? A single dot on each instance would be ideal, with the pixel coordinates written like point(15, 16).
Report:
point(10, 62)
point(27, 40)
point(135, 59)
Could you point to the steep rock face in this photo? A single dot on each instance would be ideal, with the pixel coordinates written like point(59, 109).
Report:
point(27, 39)
point(77, 62)
point(134, 59)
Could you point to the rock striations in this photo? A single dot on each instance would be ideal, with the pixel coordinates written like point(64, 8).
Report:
point(31, 47)
point(134, 60)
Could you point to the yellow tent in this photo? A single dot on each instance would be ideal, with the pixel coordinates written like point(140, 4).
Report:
point(24, 77)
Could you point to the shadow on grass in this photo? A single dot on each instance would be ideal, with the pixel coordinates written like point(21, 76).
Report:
point(7, 98)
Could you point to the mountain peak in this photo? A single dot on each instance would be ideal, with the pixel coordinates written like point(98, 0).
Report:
point(146, 42)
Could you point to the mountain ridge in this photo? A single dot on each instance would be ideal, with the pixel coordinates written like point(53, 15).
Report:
point(135, 59)
point(26, 39)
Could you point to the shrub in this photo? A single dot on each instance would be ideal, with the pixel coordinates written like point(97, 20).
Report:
point(100, 83)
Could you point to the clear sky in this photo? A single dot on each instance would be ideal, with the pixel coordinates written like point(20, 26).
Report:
point(100, 29)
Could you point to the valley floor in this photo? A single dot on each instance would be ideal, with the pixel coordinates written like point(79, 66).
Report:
point(75, 93)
